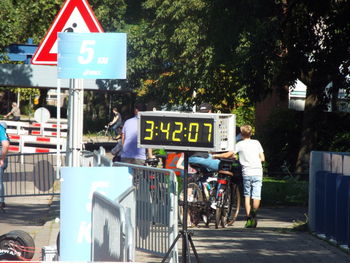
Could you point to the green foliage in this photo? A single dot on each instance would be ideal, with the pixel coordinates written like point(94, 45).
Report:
point(281, 138)
point(245, 113)
point(284, 192)
point(27, 109)
point(175, 56)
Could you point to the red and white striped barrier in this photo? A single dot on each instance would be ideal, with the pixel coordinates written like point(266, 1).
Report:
point(17, 127)
point(45, 129)
point(35, 144)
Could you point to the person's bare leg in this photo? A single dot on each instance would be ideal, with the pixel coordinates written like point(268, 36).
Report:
point(256, 204)
point(247, 205)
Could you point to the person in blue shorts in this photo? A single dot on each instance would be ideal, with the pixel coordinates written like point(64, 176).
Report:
point(251, 156)
point(4, 145)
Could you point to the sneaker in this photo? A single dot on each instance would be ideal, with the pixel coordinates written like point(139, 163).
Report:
point(205, 219)
point(254, 222)
point(249, 223)
point(213, 205)
point(254, 219)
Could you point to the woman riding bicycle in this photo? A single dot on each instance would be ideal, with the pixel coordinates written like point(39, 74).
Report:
point(116, 123)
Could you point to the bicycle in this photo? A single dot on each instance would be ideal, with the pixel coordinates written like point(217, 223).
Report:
point(213, 195)
point(228, 194)
point(107, 132)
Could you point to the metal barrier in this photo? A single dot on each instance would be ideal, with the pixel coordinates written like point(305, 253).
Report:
point(26, 128)
point(111, 231)
point(156, 209)
point(35, 144)
point(29, 174)
point(329, 197)
point(156, 206)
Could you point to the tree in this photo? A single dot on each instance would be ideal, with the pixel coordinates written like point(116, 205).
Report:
point(225, 50)
point(175, 55)
point(316, 37)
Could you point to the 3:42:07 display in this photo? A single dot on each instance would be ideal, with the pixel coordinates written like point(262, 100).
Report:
point(159, 130)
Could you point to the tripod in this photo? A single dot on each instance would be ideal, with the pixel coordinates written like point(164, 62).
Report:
point(184, 233)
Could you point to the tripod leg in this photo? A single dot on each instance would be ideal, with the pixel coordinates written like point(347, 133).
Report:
point(193, 248)
point(172, 246)
point(186, 248)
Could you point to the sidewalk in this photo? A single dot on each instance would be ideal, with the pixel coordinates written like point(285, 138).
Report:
point(34, 215)
point(272, 241)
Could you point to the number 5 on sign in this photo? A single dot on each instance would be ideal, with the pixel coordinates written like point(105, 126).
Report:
point(86, 51)
point(91, 55)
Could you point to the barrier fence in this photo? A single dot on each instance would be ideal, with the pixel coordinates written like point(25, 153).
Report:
point(112, 231)
point(34, 128)
point(35, 144)
point(155, 190)
point(156, 209)
point(29, 174)
point(27, 137)
point(329, 196)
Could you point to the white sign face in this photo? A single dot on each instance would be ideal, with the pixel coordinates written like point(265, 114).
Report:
point(42, 115)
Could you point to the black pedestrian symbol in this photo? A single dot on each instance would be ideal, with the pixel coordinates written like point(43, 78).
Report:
point(70, 29)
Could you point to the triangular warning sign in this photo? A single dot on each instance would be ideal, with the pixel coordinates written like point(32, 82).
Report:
point(75, 16)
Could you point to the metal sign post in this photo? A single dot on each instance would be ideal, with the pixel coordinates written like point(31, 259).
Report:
point(75, 122)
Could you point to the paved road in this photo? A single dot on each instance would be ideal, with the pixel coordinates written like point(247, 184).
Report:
point(272, 241)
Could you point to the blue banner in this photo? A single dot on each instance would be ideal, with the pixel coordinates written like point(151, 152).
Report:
point(77, 187)
point(91, 55)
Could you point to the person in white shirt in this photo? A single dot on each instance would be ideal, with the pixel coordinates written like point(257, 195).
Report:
point(251, 156)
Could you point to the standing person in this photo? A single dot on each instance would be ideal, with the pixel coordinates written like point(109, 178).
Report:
point(3, 151)
point(116, 123)
point(251, 156)
point(15, 112)
point(130, 152)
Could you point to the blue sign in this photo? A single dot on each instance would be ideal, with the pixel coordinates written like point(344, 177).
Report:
point(91, 55)
point(77, 187)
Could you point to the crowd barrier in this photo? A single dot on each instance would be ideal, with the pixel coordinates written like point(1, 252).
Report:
point(30, 174)
point(156, 206)
point(329, 197)
point(26, 137)
point(35, 144)
point(112, 231)
point(35, 128)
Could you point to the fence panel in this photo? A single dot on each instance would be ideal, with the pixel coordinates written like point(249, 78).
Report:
point(110, 231)
point(31, 174)
point(156, 209)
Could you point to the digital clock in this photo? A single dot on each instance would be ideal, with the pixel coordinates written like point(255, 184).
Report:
point(186, 131)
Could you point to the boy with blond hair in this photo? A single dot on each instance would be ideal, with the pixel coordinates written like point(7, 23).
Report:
point(251, 156)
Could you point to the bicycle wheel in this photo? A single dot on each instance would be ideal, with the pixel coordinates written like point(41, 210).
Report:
point(234, 204)
point(228, 209)
point(17, 245)
point(221, 203)
point(194, 195)
point(218, 213)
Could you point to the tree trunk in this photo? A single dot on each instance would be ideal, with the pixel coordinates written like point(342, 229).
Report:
point(312, 120)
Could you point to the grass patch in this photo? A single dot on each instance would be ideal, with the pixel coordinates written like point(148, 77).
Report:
point(284, 192)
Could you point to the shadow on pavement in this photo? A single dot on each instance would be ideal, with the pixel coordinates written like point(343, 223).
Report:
point(28, 214)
